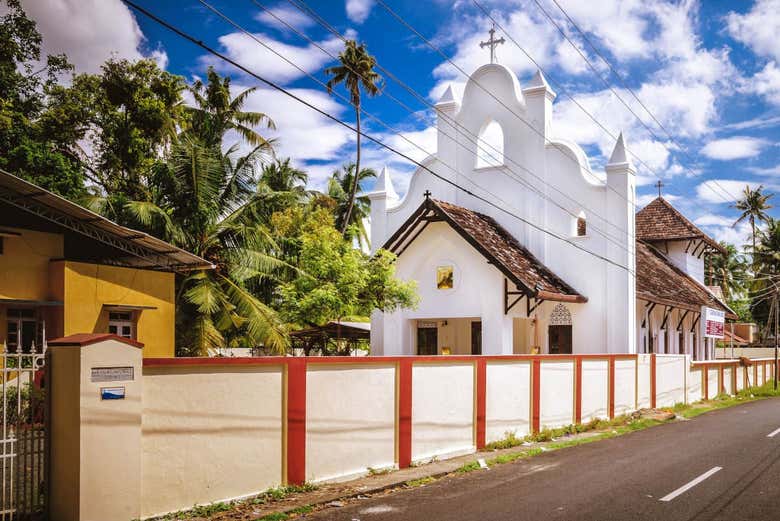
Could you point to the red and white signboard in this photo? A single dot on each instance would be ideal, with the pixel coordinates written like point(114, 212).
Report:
point(712, 321)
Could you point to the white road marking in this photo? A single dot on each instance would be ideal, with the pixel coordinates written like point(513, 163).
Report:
point(690, 484)
point(773, 434)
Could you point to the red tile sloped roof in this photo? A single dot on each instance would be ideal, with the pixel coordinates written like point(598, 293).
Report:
point(660, 221)
point(659, 281)
point(492, 241)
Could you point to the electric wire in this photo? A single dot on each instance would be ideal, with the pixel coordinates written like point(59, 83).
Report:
point(549, 78)
point(369, 137)
point(623, 83)
point(514, 175)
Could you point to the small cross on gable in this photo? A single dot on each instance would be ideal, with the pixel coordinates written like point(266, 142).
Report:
point(492, 43)
point(659, 185)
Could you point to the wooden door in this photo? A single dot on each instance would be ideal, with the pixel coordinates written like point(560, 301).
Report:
point(559, 338)
point(427, 341)
point(476, 338)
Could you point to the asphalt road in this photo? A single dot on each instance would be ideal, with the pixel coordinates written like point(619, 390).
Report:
point(623, 478)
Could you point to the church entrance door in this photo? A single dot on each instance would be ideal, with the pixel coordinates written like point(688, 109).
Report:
point(560, 340)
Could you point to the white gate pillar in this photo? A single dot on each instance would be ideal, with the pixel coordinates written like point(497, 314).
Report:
point(95, 385)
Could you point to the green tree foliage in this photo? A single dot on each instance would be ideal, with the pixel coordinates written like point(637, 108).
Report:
point(339, 189)
point(30, 146)
point(129, 115)
point(356, 72)
point(207, 205)
point(216, 112)
point(338, 282)
point(753, 205)
point(728, 271)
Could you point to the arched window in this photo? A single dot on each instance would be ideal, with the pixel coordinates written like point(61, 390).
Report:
point(490, 145)
point(582, 225)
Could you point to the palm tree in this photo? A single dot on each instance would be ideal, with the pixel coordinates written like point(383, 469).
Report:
point(356, 71)
point(728, 270)
point(753, 206)
point(280, 176)
point(206, 207)
point(351, 221)
point(216, 113)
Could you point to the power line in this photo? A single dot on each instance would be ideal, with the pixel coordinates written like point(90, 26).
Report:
point(487, 91)
point(606, 83)
point(512, 174)
point(369, 137)
point(370, 115)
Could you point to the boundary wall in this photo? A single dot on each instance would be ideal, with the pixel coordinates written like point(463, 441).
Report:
point(215, 429)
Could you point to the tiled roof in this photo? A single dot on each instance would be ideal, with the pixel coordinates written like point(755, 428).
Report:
point(495, 243)
point(658, 280)
point(660, 221)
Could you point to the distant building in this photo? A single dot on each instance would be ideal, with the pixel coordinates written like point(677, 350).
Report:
point(519, 247)
point(66, 270)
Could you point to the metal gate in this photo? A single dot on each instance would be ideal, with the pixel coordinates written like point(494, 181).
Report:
point(23, 443)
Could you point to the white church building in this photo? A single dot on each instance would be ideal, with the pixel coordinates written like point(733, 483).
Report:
point(518, 247)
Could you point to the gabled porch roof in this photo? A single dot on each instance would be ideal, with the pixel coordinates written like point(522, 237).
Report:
point(494, 243)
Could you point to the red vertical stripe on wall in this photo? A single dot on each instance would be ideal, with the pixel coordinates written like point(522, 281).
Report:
point(481, 401)
point(611, 400)
point(404, 413)
point(653, 386)
point(722, 379)
point(755, 373)
point(578, 390)
point(296, 421)
point(734, 371)
point(535, 393)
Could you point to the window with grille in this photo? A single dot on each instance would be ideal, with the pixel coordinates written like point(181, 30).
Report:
point(122, 323)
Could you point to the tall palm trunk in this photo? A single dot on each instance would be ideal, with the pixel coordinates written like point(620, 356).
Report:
point(355, 177)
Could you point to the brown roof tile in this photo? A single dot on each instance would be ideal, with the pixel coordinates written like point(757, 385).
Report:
point(658, 280)
point(660, 221)
point(495, 243)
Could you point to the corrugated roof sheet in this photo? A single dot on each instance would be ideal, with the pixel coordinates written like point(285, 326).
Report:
point(143, 250)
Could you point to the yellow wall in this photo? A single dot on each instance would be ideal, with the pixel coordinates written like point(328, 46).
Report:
point(87, 287)
point(24, 264)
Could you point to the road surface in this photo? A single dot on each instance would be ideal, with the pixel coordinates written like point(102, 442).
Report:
point(723, 465)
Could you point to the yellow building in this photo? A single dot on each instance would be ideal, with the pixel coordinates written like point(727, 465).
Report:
point(66, 270)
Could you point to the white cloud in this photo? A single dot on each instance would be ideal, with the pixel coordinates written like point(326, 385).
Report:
point(759, 122)
point(358, 10)
point(289, 14)
point(257, 58)
point(89, 31)
point(758, 28)
point(301, 133)
point(711, 219)
point(723, 229)
point(766, 83)
point(737, 147)
point(619, 25)
point(719, 191)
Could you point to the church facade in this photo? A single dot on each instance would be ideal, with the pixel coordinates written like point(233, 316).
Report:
point(518, 246)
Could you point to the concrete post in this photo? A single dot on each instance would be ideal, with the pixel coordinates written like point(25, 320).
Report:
point(95, 454)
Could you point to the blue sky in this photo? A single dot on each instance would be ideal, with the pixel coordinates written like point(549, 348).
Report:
point(708, 71)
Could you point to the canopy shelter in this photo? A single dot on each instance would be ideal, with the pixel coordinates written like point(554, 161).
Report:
point(334, 338)
point(531, 279)
point(89, 237)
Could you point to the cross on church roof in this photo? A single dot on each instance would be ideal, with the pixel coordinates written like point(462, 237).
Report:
point(492, 43)
point(659, 185)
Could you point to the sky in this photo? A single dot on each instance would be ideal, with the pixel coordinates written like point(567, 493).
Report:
point(695, 86)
